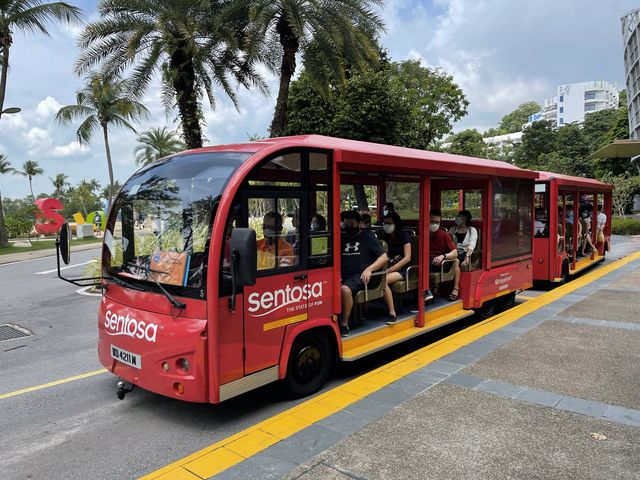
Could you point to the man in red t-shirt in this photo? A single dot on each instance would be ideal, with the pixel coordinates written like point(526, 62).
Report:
point(441, 246)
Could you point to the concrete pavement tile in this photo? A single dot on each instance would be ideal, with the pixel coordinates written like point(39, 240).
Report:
point(477, 349)
point(246, 470)
point(427, 376)
point(582, 361)
point(629, 279)
point(499, 388)
point(344, 422)
point(460, 358)
point(390, 396)
point(613, 305)
point(368, 409)
point(622, 415)
point(463, 380)
point(412, 386)
point(272, 466)
point(304, 444)
point(442, 366)
point(579, 405)
point(539, 397)
point(453, 433)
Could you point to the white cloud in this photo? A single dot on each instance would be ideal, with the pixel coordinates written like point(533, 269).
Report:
point(48, 107)
point(37, 140)
point(72, 148)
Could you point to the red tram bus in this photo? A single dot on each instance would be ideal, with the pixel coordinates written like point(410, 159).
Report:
point(190, 310)
point(581, 210)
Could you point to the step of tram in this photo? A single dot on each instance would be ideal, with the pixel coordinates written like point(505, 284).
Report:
point(381, 336)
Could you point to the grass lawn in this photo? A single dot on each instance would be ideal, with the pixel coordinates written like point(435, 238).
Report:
point(45, 245)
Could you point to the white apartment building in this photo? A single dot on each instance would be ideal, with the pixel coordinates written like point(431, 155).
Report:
point(631, 39)
point(574, 100)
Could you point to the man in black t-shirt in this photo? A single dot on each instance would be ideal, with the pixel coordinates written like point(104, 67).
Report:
point(361, 255)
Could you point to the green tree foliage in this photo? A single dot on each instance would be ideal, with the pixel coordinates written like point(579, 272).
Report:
point(340, 33)
point(572, 145)
point(538, 139)
point(59, 183)
point(32, 16)
point(5, 167)
point(400, 104)
point(157, 143)
point(513, 121)
point(30, 169)
point(468, 142)
point(101, 103)
point(185, 41)
point(624, 188)
point(596, 125)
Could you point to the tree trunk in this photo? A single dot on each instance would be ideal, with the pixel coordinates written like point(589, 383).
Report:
point(105, 134)
point(361, 197)
point(181, 65)
point(4, 235)
point(5, 42)
point(290, 45)
point(31, 189)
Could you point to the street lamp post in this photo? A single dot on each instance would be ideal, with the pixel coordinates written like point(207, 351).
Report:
point(10, 110)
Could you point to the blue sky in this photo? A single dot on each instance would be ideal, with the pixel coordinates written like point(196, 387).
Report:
point(501, 52)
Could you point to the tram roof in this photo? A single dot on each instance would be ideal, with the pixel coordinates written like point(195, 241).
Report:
point(570, 181)
point(363, 154)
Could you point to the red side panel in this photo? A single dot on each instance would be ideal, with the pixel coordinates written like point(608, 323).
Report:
point(506, 278)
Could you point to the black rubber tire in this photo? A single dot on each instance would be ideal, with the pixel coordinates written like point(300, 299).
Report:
point(564, 278)
point(506, 301)
point(310, 362)
point(488, 309)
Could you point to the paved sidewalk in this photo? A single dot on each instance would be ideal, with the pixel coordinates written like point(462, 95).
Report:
point(554, 394)
point(21, 256)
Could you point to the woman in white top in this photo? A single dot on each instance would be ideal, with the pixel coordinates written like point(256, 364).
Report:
point(466, 237)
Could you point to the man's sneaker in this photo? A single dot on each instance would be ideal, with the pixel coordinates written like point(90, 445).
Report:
point(345, 331)
point(428, 296)
point(391, 319)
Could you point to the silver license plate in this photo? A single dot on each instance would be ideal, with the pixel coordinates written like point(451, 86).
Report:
point(128, 358)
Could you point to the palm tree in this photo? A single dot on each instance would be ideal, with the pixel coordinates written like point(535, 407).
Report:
point(30, 169)
point(157, 143)
point(340, 32)
point(110, 191)
point(85, 193)
point(183, 40)
point(5, 167)
point(28, 16)
point(100, 103)
point(59, 184)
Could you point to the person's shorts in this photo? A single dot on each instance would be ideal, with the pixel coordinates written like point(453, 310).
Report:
point(462, 254)
point(354, 283)
point(403, 272)
point(433, 268)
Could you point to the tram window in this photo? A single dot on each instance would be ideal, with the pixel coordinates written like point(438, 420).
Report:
point(450, 201)
point(359, 197)
point(541, 221)
point(473, 203)
point(267, 218)
point(319, 170)
point(319, 229)
point(405, 197)
point(282, 171)
point(512, 224)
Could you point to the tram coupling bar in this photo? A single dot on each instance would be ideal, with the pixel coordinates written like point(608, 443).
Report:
point(122, 388)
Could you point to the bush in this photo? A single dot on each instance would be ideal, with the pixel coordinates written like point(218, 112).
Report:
point(18, 226)
point(625, 226)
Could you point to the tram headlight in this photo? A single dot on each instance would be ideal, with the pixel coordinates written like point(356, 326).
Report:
point(183, 364)
point(165, 366)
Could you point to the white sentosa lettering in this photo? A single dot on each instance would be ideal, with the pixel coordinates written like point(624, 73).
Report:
point(272, 301)
point(115, 324)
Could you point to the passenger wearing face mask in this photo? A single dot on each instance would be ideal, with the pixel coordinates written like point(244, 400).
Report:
point(387, 209)
point(318, 223)
point(399, 252)
point(466, 237)
point(441, 247)
point(361, 255)
point(585, 222)
point(273, 250)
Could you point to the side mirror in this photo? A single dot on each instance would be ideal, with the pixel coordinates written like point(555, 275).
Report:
point(63, 240)
point(244, 256)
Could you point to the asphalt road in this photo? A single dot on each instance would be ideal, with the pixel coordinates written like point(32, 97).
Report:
point(80, 429)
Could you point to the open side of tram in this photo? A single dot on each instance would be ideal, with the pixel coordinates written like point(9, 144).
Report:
point(572, 229)
point(215, 283)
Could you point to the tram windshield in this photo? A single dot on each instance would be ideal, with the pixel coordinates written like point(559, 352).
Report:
point(160, 225)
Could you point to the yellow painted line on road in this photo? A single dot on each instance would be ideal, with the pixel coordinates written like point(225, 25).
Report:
point(52, 384)
point(226, 453)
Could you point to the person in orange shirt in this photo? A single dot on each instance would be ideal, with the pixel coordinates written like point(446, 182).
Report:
point(273, 250)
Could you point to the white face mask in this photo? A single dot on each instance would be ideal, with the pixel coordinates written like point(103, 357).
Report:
point(315, 226)
point(385, 213)
point(458, 220)
point(389, 228)
point(434, 227)
point(269, 233)
point(342, 225)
